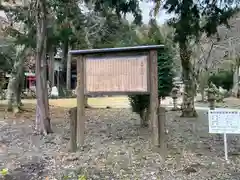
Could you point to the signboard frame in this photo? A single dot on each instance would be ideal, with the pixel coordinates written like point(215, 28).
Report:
point(151, 51)
point(111, 57)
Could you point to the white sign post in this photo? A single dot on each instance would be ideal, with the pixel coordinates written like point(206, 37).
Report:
point(224, 121)
point(225, 146)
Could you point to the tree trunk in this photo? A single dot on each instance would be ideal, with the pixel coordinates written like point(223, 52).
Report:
point(235, 81)
point(58, 80)
point(10, 92)
point(203, 82)
point(68, 81)
point(202, 87)
point(19, 89)
point(64, 59)
point(65, 51)
point(141, 114)
point(51, 67)
point(42, 111)
point(15, 82)
point(188, 108)
point(202, 92)
point(144, 116)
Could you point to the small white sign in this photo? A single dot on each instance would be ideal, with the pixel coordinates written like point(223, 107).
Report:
point(224, 121)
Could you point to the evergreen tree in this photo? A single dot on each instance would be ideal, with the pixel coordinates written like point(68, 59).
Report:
point(165, 61)
point(192, 18)
point(140, 103)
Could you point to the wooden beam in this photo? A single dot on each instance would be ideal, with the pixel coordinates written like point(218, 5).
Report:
point(162, 135)
point(154, 96)
point(80, 100)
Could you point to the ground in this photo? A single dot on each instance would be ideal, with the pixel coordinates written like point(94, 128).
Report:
point(115, 148)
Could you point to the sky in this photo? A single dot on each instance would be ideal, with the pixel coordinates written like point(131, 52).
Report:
point(146, 8)
point(2, 14)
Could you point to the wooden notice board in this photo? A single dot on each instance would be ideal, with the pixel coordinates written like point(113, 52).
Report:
point(116, 71)
point(117, 74)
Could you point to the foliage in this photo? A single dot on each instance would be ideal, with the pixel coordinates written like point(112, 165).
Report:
point(165, 73)
point(192, 19)
point(222, 79)
point(4, 172)
point(7, 58)
point(165, 60)
point(139, 103)
point(119, 7)
point(214, 93)
point(82, 177)
point(19, 16)
point(67, 20)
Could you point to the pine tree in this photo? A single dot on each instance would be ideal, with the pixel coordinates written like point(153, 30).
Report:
point(165, 73)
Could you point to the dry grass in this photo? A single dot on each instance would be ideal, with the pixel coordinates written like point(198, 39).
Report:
point(100, 102)
point(60, 106)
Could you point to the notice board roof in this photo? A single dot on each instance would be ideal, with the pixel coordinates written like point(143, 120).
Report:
point(116, 50)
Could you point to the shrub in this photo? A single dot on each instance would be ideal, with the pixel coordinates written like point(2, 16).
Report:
point(140, 103)
point(222, 79)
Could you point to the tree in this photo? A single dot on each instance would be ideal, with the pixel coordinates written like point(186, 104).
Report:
point(31, 35)
point(7, 55)
point(191, 19)
point(203, 61)
point(15, 83)
point(22, 40)
point(140, 103)
point(7, 59)
point(221, 52)
point(66, 29)
point(42, 110)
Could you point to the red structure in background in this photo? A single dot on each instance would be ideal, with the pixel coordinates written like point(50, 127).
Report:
point(31, 79)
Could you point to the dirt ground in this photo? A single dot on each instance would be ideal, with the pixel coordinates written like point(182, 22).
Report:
point(116, 148)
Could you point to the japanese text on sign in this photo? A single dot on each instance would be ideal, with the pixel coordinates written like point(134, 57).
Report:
point(224, 121)
point(117, 74)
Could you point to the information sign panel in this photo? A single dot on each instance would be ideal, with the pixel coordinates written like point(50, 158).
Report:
point(224, 121)
point(116, 74)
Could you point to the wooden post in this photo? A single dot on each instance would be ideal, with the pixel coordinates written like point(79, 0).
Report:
point(73, 129)
point(80, 101)
point(68, 72)
point(161, 126)
point(154, 96)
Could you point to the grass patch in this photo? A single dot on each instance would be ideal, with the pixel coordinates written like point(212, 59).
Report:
point(99, 102)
